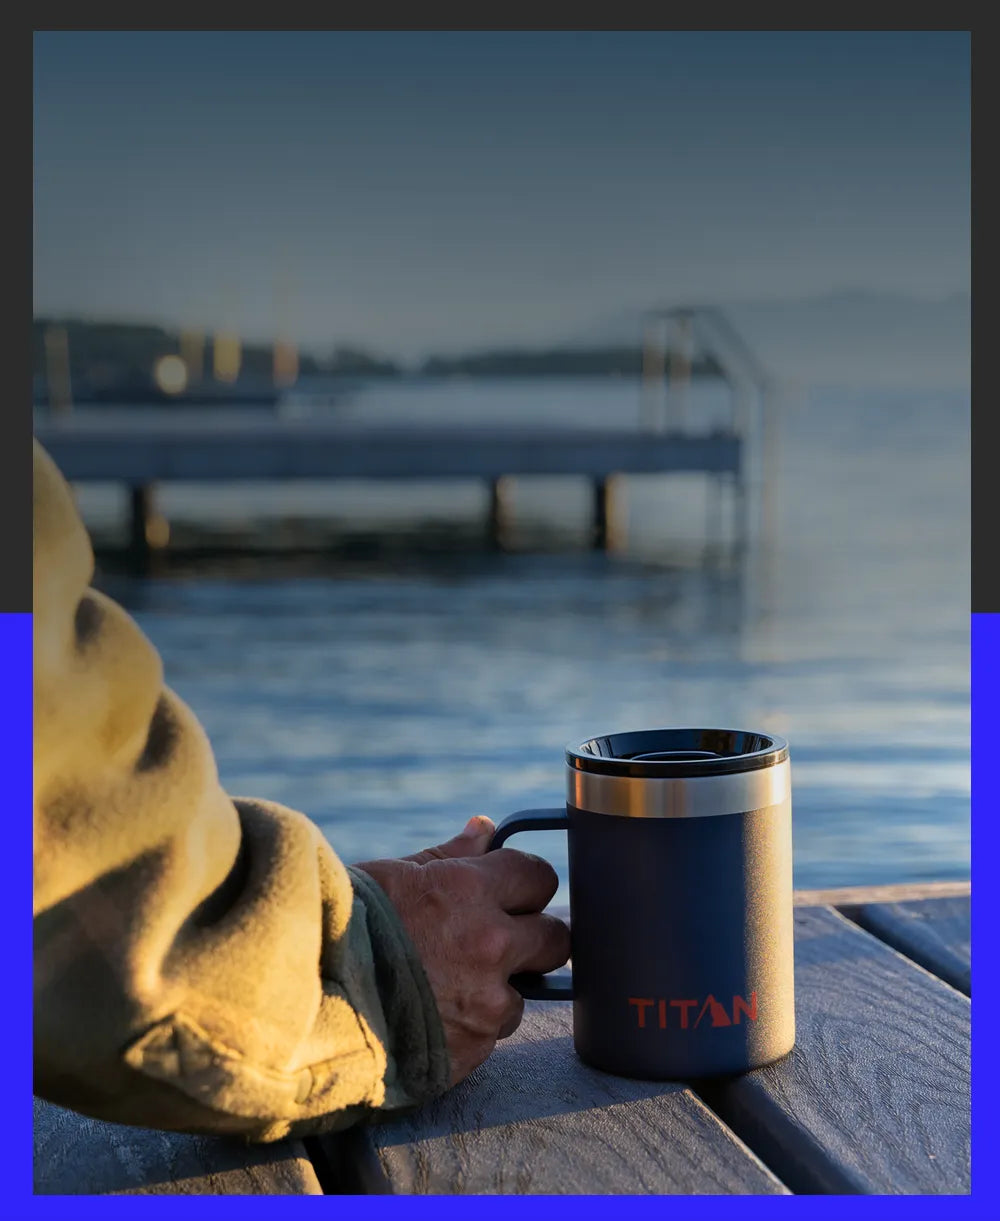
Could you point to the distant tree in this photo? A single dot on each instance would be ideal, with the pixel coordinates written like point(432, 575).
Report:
point(555, 362)
point(105, 354)
point(356, 362)
point(105, 351)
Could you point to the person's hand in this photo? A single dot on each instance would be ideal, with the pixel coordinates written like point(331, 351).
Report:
point(475, 918)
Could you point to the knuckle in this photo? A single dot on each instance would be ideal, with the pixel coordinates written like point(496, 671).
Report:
point(543, 874)
point(539, 863)
point(557, 934)
point(551, 943)
point(496, 1003)
point(494, 944)
point(513, 1017)
point(551, 877)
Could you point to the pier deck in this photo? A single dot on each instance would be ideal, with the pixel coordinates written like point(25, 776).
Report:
point(154, 446)
point(874, 1099)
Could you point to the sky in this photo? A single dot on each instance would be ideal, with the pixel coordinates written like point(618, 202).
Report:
point(418, 191)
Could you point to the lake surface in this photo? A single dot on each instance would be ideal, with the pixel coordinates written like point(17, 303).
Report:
point(391, 701)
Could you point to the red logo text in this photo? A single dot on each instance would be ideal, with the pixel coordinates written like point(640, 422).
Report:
point(651, 1011)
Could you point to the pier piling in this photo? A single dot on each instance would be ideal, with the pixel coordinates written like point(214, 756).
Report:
point(140, 514)
point(607, 532)
point(149, 530)
point(498, 522)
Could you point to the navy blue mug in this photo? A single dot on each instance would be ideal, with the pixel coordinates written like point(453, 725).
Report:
point(680, 880)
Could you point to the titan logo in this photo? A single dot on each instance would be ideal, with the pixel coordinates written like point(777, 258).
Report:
point(678, 1013)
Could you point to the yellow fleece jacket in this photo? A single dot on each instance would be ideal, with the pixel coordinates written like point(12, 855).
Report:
point(202, 963)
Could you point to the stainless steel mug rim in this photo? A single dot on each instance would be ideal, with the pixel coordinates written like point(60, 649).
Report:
point(699, 787)
point(734, 750)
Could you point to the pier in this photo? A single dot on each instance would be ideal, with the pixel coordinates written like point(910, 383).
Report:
point(148, 447)
point(141, 446)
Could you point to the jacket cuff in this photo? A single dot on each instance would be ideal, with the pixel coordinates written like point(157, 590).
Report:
point(418, 1066)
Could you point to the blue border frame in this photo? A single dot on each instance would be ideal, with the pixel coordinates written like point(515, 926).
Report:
point(17, 1199)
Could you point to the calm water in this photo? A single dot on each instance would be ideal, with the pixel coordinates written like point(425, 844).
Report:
point(391, 703)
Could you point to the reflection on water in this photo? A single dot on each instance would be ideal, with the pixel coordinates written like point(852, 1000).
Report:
point(389, 703)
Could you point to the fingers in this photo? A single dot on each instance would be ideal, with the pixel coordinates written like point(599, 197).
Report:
point(538, 943)
point(472, 841)
point(515, 1012)
point(521, 883)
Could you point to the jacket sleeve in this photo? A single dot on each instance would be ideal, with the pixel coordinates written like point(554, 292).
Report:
point(201, 963)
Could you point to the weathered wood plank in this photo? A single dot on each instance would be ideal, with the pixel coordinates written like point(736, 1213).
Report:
point(846, 896)
point(75, 1155)
point(896, 892)
point(875, 1096)
point(535, 1120)
point(936, 933)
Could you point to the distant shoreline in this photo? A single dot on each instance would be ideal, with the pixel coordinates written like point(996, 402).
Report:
point(104, 355)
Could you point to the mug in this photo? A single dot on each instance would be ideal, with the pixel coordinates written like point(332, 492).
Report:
point(680, 880)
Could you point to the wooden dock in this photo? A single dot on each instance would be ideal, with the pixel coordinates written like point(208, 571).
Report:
point(151, 446)
point(142, 448)
point(875, 1098)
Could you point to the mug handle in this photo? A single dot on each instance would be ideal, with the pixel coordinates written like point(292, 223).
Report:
point(532, 985)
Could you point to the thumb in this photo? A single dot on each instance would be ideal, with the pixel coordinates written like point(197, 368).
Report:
point(473, 841)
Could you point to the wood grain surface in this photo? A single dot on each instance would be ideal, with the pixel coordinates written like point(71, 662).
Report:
point(936, 933)
point(535, 1120)
point(75, 1155)
point(895, 892)
point(875, 1096)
